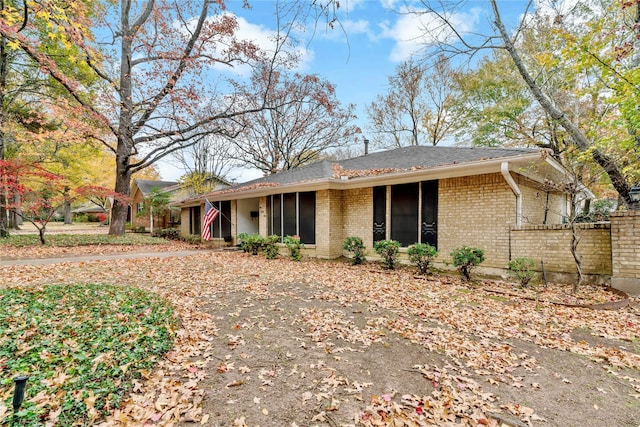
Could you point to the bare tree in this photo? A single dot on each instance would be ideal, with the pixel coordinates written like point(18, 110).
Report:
point(418, 107)
point(396, 117)
point(302, 119)
point(441, 90)
point(212, 156)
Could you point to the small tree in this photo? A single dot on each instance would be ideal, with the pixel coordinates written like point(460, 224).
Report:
point(355, 246)
point(522, 269)
point(388, 250)
point(422, 254)
point(466, 258)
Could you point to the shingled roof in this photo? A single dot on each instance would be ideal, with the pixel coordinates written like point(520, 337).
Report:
point(428, 162)
point(400, 159)
point(147, 185)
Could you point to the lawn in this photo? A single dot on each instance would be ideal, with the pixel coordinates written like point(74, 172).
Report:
point(83, 347)
point(284, 343)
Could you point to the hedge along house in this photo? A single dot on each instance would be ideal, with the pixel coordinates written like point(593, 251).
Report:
point(445, 196)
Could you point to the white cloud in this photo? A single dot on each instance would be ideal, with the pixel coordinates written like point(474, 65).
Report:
point(414, 31)
point(263, 37)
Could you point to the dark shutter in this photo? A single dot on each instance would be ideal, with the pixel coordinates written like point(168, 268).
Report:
point(379, 213)
point(404, 213)
point(307, 217)
point(429, 223)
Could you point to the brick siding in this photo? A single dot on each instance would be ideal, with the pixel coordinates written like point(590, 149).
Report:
point(625, 250)
point(552, 245)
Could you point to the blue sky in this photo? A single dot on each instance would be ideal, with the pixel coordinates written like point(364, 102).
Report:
point(359, 56)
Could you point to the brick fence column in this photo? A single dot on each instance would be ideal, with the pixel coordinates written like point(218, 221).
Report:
point(625, 251)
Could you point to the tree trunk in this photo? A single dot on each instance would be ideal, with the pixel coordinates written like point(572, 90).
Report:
point(41, 231)
point(15, 214)
point(67, 206)
point(576, 256)
point(120, 204)
point(4, 57)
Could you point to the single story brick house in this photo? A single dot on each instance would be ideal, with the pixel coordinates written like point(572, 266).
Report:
point(445, 196)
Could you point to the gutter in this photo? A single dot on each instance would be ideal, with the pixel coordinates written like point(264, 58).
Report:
point(504, 168)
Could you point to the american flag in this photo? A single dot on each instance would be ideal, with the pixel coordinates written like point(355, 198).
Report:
point(210, 214)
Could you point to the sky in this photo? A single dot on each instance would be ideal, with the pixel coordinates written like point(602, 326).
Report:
point(358, 55)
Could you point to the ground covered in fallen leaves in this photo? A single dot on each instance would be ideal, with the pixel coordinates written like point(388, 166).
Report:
point(284, 343)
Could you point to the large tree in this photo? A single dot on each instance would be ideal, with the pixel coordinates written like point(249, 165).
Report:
point(418, 105)
point(153, 64)
point(303, 119)
point(598, 40)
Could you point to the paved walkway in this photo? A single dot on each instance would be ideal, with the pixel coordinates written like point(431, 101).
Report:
point(123, 255)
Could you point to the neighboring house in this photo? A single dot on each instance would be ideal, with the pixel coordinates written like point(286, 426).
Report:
point(88, 209)
point(141, 189)
point(445, 196)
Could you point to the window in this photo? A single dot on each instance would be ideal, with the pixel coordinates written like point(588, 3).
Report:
point(404, 213)
point(293, 214)
point(139, 207)
point(174, 215)
point(411, 221)
point(221, 227)
point(194, 220)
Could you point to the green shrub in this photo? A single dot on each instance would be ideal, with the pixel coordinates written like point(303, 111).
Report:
point(522, 269)
point(388, 250)
point(295, 247)
point(356, 247)
point(270, 248)
point(422, 254)
point(251, 243)
point(466, 258)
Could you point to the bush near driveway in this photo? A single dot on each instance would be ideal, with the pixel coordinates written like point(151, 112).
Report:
point(82, 346)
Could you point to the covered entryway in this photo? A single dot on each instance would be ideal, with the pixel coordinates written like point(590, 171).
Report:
point(247, 216)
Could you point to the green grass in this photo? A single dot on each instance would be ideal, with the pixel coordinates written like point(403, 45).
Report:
point(81, 240)
point(79, 344)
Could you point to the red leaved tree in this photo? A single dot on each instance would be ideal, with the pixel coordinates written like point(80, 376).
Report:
point(153, 67)
point(42, 194)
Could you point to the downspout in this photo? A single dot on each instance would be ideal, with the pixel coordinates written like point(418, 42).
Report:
point(504, 168)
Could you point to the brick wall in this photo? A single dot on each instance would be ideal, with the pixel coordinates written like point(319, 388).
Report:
point(625, 250)
point(184, 222)
point(234, 222)
point(534, 204)
point(552, 245)
point(329, 224)
point(476, 211)
point(138, 221)
point(358, 214)
point(263, 220)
